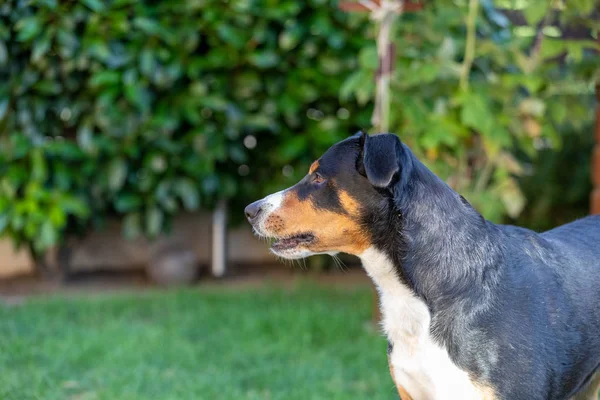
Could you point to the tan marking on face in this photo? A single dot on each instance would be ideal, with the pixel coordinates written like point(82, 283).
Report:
point(333, 231)
point(313, 167)
point(348, 203)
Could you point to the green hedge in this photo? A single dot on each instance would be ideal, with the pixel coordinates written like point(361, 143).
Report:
point(140, 109)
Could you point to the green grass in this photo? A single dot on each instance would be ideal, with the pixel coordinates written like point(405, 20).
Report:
point(303, 343)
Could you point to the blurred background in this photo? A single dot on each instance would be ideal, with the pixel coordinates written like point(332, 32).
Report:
point(133, 133)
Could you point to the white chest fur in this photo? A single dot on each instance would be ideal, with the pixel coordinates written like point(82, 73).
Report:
point(421, 366)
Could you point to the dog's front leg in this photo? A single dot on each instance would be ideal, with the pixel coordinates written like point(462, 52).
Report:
point(401, 391)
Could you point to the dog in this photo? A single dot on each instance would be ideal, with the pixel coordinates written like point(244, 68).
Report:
point(471, 309)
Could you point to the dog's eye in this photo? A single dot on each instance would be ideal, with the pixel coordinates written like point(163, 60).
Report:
point(318, 178)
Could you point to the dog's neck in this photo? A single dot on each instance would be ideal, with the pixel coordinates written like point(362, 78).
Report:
point(441, 247)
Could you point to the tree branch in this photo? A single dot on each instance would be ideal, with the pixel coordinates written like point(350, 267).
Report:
point(470, 45)
point(539, 38)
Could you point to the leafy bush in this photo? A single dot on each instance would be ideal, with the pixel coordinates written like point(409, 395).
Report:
point(140, 109)
point(39, 194)
point(559, 186)
point(480, 126)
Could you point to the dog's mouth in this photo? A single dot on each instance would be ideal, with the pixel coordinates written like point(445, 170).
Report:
point(292, 242)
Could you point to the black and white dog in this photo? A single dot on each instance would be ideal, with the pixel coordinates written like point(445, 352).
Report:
point(471, 309)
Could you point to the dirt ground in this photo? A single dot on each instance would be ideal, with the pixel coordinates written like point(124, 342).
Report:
point(15, 290)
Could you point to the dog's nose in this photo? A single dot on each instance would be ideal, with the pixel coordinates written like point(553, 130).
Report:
point(253, 210)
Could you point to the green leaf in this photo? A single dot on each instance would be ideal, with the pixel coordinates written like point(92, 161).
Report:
point(3, 108)
point(238, 155)
point(230, 35)
point(117, 172)
point(558, 112)
point(139, 96)
point(360, 84)
point(94, 5)
point(215, 102)
point(8, 187)
point(495, 139)
point(533, 83)
point(39, 170)
point(57, 216)
point(198, 88)
point(4, 219)
point(419, 75)
point(28, 28)
point(99, 49)
point(476, 113)
point(3, 53)
point(48, 87)
point(534, 12)
point(532, 106)
point(51, 4)
point(264, 59)
point(368, 58)
point(147, 25)
point(48, 236)
point(498, 17)
point(188, 193)
point(512, 198)
point(127, 202)
point(287, 41)
point(584, 7)
point(132, 226)
point(210, 184)
point(158, 163)
point(154, 221)
point(105, 78)
point(350, 85)
point(40, 48)
point(17, 222)
point(147, 63)
point(85, 138)
point(293, 148)
point(75, 206)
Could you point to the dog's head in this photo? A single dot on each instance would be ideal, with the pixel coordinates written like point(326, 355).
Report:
point(331, 208)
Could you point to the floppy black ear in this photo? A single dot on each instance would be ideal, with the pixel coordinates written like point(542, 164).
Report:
point(380, 158)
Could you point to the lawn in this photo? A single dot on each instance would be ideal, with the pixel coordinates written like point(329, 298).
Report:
point(305, 343)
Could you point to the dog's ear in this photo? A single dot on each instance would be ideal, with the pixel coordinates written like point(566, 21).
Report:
point(379, 159)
